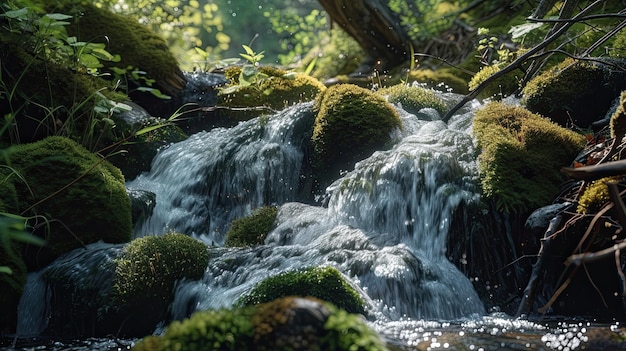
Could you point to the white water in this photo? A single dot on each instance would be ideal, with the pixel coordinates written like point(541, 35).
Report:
point(383, 224)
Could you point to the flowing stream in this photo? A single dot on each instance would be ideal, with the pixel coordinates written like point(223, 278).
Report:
point(383, 224)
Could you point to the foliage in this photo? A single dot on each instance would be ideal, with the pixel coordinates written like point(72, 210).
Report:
point(351, 124)
point(252, 229)
point(184, 24)
point(335, 54)
point(521, 157)
point(149, 266)
point(85, 201)
point(413, 98)
point(282, 325)
point(423, 19)
point(325, 283)
point(298, 32)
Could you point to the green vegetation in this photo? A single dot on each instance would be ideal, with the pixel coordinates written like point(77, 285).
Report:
point(284, 324)
point(268, 87)
point(521, 156)
point(351, 124)
point(577, 92)
point(501, 87)
point(85, 201)
point(148, 267)
point(325, 283)
point(413, 98)
point(252, 230)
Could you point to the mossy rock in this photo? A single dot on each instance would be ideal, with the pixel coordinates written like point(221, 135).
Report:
point(289, 323)
point(12, 283)
point(52, 98)
point(442, 79)
point(413, 98)
point(253, 229)
point(149, 266)
point(521, 156)
point(595, 195)
point(325, 283)
point(578, 92)
point(351, 123)
point(271, 88)
point(140, 150)
point(82, 196)
point(136, 44)
point(501, 87)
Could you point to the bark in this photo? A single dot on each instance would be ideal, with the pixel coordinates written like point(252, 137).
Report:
point(375, 27)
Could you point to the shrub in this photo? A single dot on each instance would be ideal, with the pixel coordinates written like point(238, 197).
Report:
point(413, 98)
point(83, 196)
point(148, 268)
point(351, 124)
point(252, 230)
point(325, 283)
point(522, 154)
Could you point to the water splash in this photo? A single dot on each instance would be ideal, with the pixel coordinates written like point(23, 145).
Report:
point(206, 181)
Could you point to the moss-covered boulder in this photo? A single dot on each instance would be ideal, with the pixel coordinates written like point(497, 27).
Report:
point(252, 230)
point(413, 98)
point(289, 323)
point(574, 92)
point(148, 268)
point(503, 86)
point(521, 156)
point(137, 45)
point(325, 283)
point(13, 281)
point(123, 290)
point(265, 87)
point(74, 197)
point(351, 123)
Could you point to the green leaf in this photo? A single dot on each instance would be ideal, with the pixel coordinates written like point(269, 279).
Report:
point(27, 238)
point(89, 61)
point(6, 270)
point(248, 50)
point(523, 29)
point(16, 14)
point(58, 16)
point(102, 54)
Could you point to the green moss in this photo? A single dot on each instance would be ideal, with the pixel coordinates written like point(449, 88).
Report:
point(274, 88)
point(325, 283)
point(351, 124)
point(575, 92)
point(595, 195)
point(441, 78)
point(413, 98)
point(137, 45)
point(521, 155)
point(148, 268)
point(285, 324)
point(501, 87)
point(13, 283)
point(82, 196)
point(619, 45)
point(618, 119)
point(252, 230)
point(340, 56)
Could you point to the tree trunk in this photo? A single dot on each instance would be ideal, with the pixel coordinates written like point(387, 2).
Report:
point(375, 27)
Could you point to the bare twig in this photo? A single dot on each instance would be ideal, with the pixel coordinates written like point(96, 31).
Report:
point(517, 63)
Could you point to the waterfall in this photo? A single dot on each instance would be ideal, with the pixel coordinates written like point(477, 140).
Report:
point(206, 181)
point(383, 224)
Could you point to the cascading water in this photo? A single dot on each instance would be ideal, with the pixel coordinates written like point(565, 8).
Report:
point(383, 225)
